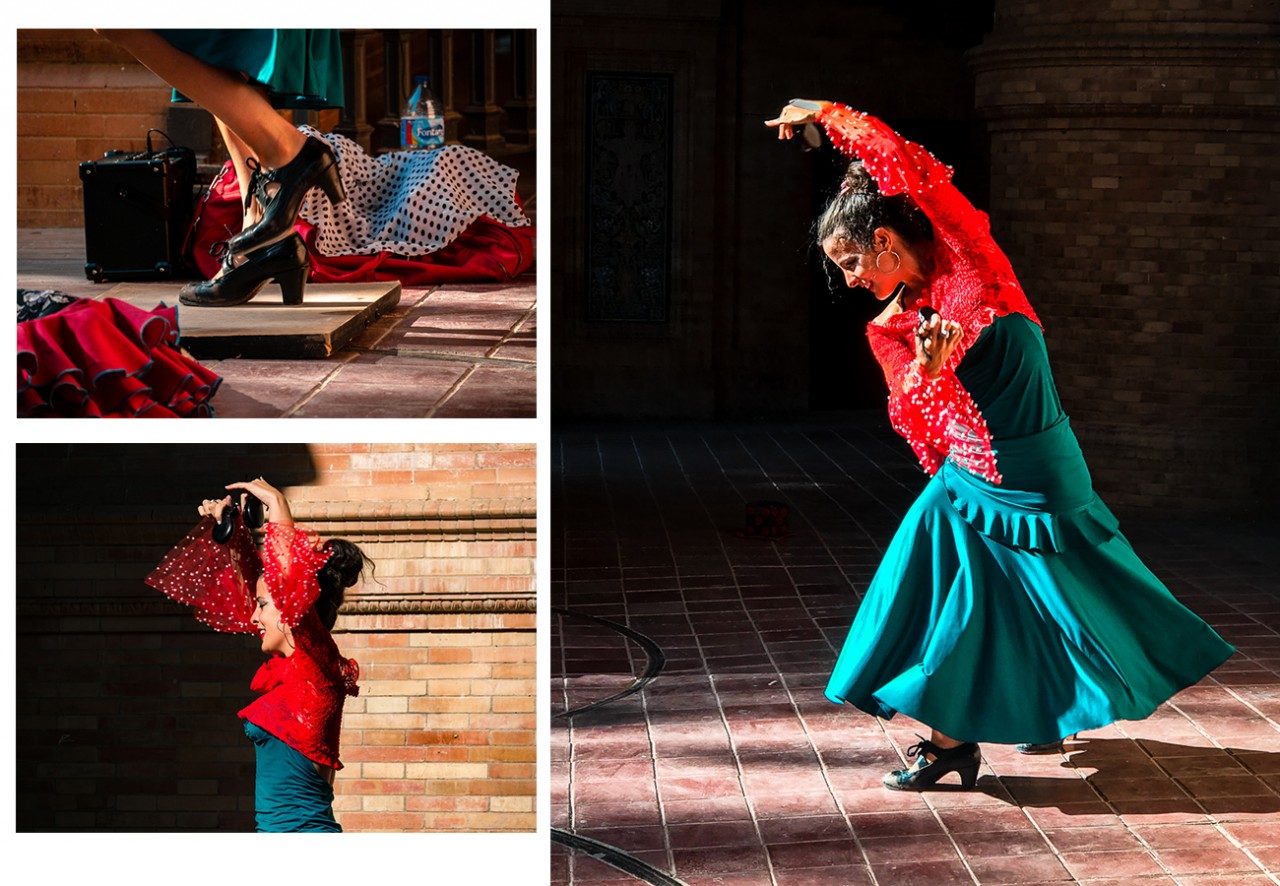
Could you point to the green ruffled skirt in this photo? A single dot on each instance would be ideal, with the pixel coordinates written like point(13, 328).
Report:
point(1018, 613)
point(298, 67)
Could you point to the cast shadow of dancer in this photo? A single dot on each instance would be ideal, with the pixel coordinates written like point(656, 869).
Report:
point(1176, 778)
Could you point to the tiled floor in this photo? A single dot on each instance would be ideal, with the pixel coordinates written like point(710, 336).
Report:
point(456, 350)
point(731, 768)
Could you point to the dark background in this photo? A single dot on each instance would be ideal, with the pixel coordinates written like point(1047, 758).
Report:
point(1127, 157)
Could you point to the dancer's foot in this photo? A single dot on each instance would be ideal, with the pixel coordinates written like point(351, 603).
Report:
point(932, 762)
point(280, 191)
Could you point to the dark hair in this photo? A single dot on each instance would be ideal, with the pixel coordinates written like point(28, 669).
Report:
point(343, 568)
point(860, 208)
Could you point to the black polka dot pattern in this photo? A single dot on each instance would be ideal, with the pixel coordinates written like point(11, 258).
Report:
point(409, 202)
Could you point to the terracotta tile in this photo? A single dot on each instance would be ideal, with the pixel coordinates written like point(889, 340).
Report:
point(786, 805)
point(824, 853)
point(1097, 839)
point(1244, 785)
point(925, 847)
point(1234, 879)
point(698, 787)
point(1041, 867)
point(706, 809)
point(900, 824)
point(984, 819)
point(694, 864)
point(803, 829)
point(1002, 843)
point(707, 834)
point(1254, 834)
point(844, 875)
point(494, 391)
point(612, 814)
point(923, 873)
point(629, 839)
point(1126, 863)
point(1205, 860)
point(379, 387)
point(266, 388)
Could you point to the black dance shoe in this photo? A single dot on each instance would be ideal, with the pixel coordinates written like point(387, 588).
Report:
point(315, 166)
point(1048, 747)
point(963, 759)
point(285, 262)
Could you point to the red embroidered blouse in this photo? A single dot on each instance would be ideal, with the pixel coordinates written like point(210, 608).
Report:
point(301, 695)
point(972, 284)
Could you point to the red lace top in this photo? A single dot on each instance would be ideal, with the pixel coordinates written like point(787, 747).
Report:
point(301, 694)
point(972, 283)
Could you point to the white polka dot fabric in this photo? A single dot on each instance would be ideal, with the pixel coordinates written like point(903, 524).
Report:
point(409, 202)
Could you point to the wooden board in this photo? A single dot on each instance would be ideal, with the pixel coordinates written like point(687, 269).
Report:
point(330, 316)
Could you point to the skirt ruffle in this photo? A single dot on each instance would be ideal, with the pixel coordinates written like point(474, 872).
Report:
point(109, 359)
point(1008, 614)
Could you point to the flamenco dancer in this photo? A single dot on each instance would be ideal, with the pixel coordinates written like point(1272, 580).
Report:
point(241, 77)
point(289, 595)
point(1008, 607)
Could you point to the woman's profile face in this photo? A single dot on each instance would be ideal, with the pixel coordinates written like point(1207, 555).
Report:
point(859, 267)
point(275, 641)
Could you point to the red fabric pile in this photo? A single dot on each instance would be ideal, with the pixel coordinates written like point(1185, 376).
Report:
point(109, 359)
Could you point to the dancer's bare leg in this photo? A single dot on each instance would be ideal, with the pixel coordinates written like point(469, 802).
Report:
point(239, 152)
point(231, 99)
point(942, 741)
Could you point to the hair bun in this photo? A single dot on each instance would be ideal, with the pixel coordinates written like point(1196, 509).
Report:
point(346, 562)
point(858, 180)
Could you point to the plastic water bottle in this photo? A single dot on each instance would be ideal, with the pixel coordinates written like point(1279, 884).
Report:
point(421, 124)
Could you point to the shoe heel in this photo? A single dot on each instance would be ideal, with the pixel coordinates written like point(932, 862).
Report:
point(331, 183)
point(969, 775)
point(292, 284)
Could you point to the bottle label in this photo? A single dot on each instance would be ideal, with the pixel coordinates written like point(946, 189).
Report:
point(421, 132)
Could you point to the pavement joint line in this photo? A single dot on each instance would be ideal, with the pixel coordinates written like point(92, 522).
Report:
point(344, 359)
point(822, 764)
point(453, 389)
point(706, 664)
point(644, 700)
point(510, 333)
point(424, 354)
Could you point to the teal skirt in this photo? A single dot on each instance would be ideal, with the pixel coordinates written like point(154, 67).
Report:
point(298, 67)
point(1018, 612)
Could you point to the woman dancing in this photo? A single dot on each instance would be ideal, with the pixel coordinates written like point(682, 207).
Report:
point(1008, 607)
point(289, 595)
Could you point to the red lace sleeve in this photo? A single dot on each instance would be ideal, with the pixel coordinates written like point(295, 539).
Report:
point(900, 166)
point(972, 284)
point(217, 580)
point(290, 560)
point(935, 415)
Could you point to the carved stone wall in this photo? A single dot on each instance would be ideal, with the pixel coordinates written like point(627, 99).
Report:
point(126, 706)
point(1135, 185)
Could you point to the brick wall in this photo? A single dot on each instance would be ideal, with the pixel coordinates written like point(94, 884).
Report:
point(126, 707)
point(1134, 184)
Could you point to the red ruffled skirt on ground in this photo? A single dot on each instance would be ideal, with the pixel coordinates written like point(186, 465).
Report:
point(110, 359)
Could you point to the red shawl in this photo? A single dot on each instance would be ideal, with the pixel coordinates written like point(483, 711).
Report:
point(301, 694)
point(972, 284)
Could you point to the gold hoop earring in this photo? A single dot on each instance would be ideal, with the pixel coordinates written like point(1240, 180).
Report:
point(897, 261)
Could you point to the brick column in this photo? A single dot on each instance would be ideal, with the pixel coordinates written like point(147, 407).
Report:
point(1134, 185)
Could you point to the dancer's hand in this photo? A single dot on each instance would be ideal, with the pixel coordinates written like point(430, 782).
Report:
point(792, 116)
point(212, 507)
point(277, 505)
point(936, 339)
